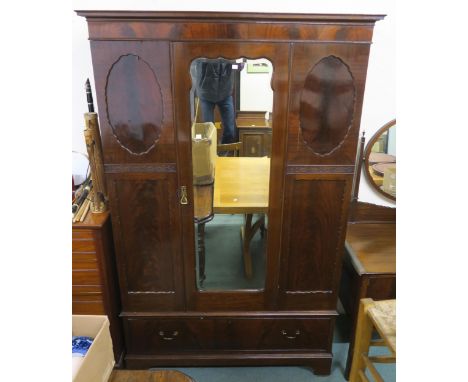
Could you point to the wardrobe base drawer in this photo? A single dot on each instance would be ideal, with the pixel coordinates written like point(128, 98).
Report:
point(163, 335)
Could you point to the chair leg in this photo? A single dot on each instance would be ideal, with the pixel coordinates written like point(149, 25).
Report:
point(262, 226)
point(362, 340)
point(246, 237)
point(201, 252)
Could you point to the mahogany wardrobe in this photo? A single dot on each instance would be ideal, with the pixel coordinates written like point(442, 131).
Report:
point(141, 63)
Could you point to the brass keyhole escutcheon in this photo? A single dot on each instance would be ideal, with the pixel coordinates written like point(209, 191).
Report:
point(183, 195)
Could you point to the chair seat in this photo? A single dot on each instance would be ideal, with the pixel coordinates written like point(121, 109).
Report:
point(383, 315)
point(379, 315)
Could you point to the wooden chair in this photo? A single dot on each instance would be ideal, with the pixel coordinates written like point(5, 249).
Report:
point(230, 147)
point(380, 315)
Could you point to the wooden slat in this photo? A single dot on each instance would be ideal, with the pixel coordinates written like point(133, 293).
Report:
point(92, 307)
point(372, 369)
point(86, 289)
point(383, 359)
point(86, 278)
point(363, 377)
point(84, 261)
point(83, 245)
point(89, 297)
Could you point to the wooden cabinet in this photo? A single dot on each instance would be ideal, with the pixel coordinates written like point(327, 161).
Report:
point(254, 134)
point(90, 242)
point(141, 65)
point(94, 286)
point(255, 142)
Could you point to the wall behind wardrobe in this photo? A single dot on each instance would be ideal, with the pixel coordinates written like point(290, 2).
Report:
point(379, 99)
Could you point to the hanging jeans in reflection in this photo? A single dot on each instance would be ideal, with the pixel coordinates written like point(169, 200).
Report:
point(226, 109)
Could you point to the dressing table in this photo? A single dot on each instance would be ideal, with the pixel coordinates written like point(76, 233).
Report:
point(141, 63)
point(369, 264)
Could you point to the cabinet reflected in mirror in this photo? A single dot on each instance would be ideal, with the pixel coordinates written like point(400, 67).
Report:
point(380, 160)
point(231, 131)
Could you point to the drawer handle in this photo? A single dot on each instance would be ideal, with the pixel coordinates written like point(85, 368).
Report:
point(291, 337)
point(169, 337)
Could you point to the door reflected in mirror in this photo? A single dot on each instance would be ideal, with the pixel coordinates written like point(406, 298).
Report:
point(380, 160)
point(231, 113)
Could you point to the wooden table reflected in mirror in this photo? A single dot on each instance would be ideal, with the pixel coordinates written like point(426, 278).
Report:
point(241, 187)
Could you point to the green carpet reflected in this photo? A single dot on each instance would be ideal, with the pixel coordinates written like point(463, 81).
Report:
point(224, 266)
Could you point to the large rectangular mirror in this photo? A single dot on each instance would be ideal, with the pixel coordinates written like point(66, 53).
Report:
point(232, 106)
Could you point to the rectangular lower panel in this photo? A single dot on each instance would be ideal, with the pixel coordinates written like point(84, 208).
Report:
point(145, 221)
point(314, 227)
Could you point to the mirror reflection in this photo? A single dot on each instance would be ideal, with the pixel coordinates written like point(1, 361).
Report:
point(231, 109)
point(381, 160)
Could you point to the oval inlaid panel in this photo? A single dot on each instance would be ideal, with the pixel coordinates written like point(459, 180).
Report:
point(327, 105)
point(134, 104)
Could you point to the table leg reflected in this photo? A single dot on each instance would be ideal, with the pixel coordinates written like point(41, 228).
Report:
point(247, 233)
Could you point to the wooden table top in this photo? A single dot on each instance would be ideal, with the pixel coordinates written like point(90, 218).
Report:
point(241, 185)
point(372, 247)
point(378, 179)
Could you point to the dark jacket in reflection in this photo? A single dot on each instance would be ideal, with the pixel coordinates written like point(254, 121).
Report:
point(213, 78)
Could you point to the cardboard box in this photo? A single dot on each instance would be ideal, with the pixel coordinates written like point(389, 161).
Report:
point(97, 364)
point(204, 145)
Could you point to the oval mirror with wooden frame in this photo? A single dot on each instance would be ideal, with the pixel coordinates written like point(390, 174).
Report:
point(380, 160)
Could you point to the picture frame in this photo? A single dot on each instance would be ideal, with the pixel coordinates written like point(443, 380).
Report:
point(258, 67)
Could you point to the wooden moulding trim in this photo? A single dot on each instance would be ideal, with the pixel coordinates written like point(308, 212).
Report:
point(323, 169)
point(214, 39)
point(235, 16)
point(249, 356)
point(230, 314)
point(139, 168)
point(302, 292)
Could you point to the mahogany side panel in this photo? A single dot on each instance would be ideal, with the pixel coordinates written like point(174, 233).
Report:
point(336, 102)
point(327, 105)
point(134, 96)
point(146, 229)
point(134, 104)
